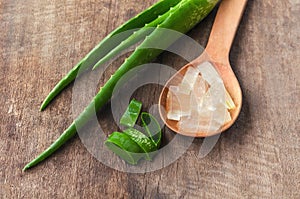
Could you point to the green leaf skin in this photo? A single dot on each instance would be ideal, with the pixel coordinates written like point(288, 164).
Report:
point(142, 140)
point(106, 45)
point(122, 145)
point(131, 114)
point(183, 19)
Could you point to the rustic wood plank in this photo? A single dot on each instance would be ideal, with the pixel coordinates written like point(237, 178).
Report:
point(257, 158)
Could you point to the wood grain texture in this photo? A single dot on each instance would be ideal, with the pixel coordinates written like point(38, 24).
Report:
point(257, 158)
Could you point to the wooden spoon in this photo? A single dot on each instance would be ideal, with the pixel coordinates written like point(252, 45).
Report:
point(217, 53)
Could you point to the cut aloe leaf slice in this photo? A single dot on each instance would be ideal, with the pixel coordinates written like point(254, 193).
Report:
point(123, 146)
point(152, 128)
point(131, 114)
point(142, 140)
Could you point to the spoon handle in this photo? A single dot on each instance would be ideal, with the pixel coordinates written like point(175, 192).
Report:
point(224, 29)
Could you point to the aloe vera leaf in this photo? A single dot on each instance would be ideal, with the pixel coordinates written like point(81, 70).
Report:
point(183, 19)
point(132, 39)
point(106, 45)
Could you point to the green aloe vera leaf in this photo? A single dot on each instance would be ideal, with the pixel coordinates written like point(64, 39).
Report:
point(106, 45)
point(137, 36)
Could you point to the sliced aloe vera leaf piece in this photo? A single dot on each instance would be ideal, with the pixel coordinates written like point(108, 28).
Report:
point(152, 128)
point(122, 145)
point(131, 114)
point(142, 140)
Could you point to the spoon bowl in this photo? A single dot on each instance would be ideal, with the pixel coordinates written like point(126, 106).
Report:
point(231, 84)
point(217, 53)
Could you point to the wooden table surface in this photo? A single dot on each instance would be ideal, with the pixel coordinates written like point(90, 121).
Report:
point(259, 157)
